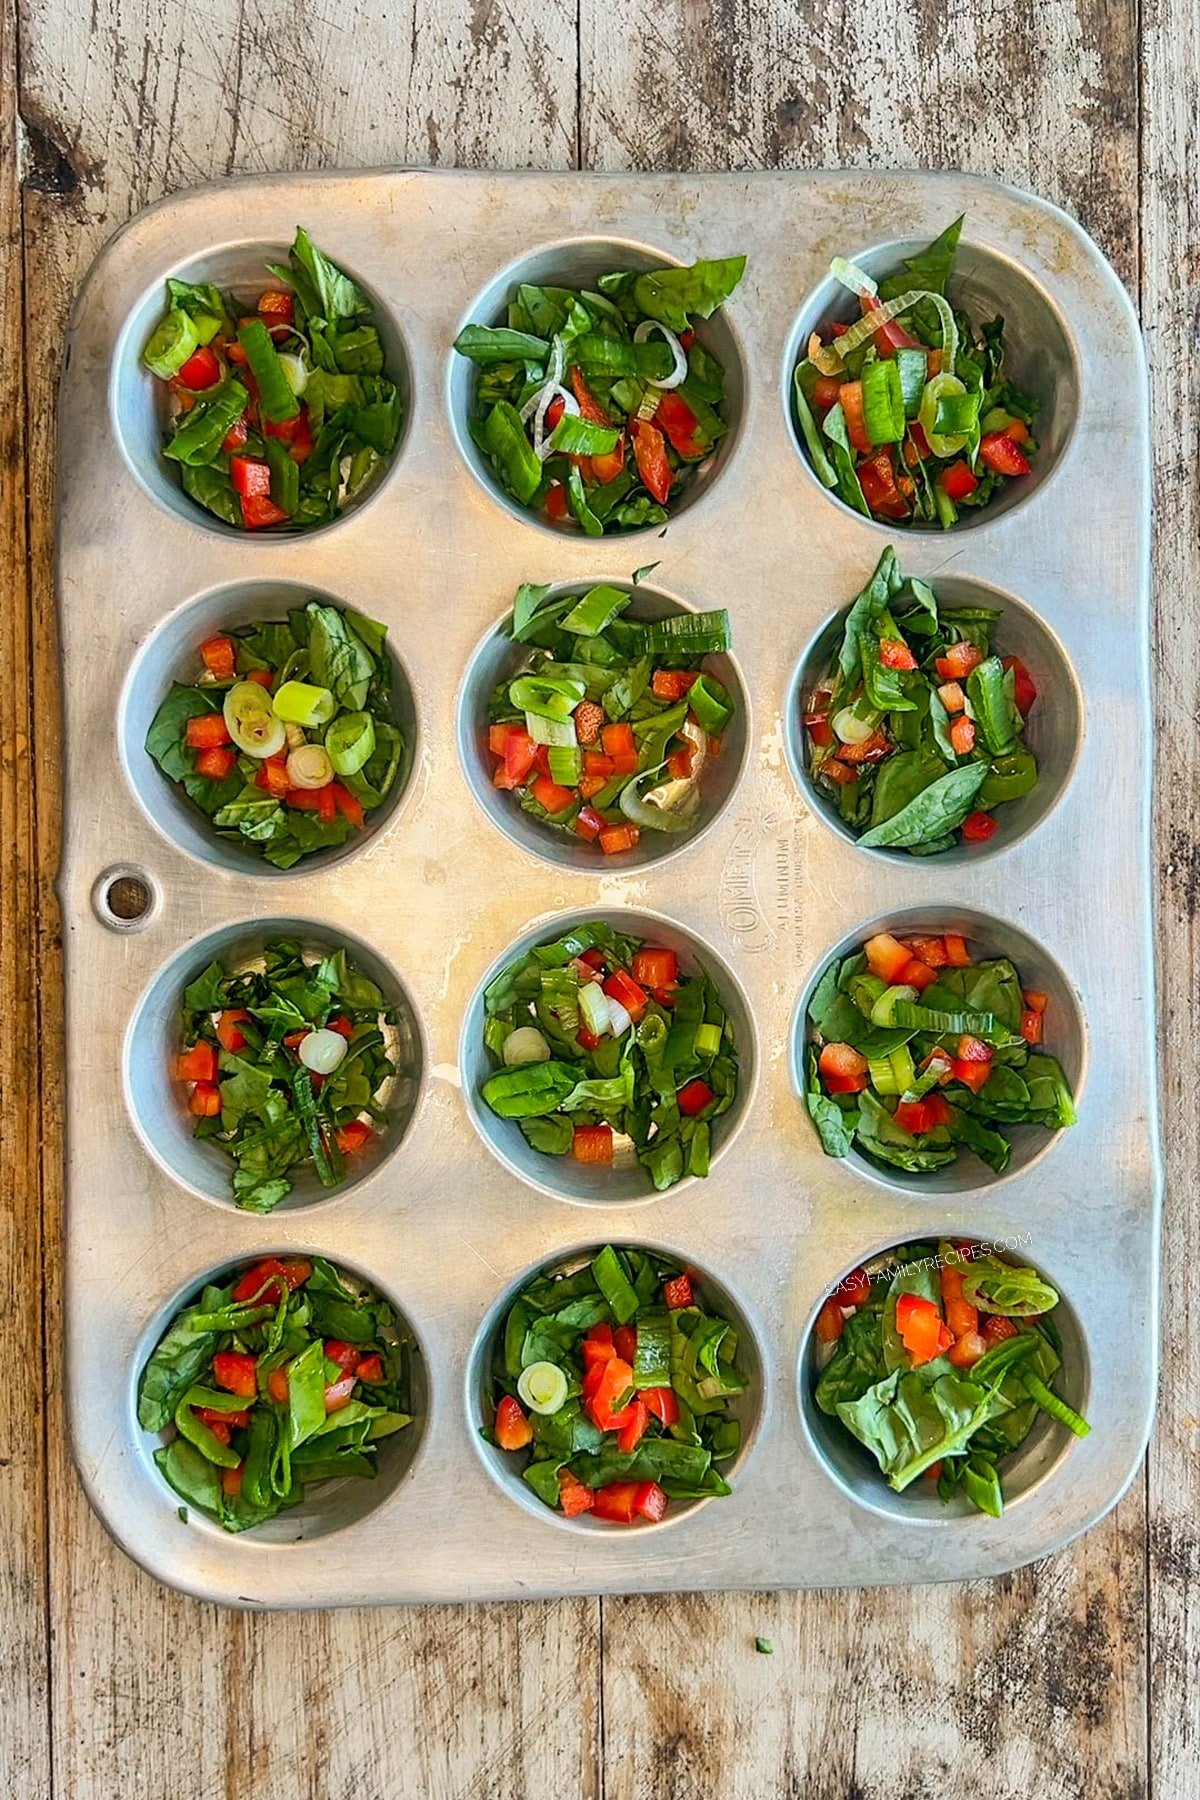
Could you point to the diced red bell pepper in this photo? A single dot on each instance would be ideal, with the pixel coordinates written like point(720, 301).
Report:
point(263, 677)
point(237, 434)
point(957, 954)
point(678, 1292)
point(842, 1060)
point(283, 429)
point(978, 827)
point(831, 1322)
point(973, 1063)
point(891, 335)
point(216, 765)
point(229, 1033)
point(511, 1428)
point(877, 478)
point(345, 1355)
point(319, 800)
point(555, 411)
point(917, 974)
point(922, 1330)
point(260, 511)
point(589, 407)
point(997, 1330)
point(621, 987)
point(616, 839)
point(854, 1289)
point(237, 1372)
point(276, 306)
point(592, 1144)
point(673, 684)
point(655, 968)
point(617, 1502)
point(262, 1282)
point(952, 697)
point(625, 1342)
point(931, 950)
point(348, 804)
point(819, 729)
point(498, 736)
point(352, 1137)
point(650, 452)
point(887, 956)
point(1035, 1000)
point(556, 503)
point(618, 740)
point(827, 390)
point(1024, 689)
point(277, 1386)
point(588, 823)
point(844, 1084)
point(958, 483)
point(918, 1116)
point(607, 467)
point(197, 1064)
point(249, 475)
point(370, 1370)
point(663, 1404)
point(549, 794)
point(632, 1433)
point(597, 766)
point(236, 1421)
point(302, 442)
point(205, 1100)
point(693, 1097)
point(614, 1381)
point(1000, 453)
point(851, 398)
point(967, 1349)
point(519, 753)
point(962, 735)
point(872, 749)
point(201, 370)
point(272, 776)
point(681, 425)
point(835, 770)
point(650, 1501)
point(219, 657)
point(895, 654)
point(573, 1497)
point(958, 661)
point(1032, 1026)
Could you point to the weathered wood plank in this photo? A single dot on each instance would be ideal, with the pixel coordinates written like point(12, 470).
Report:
point(153, 1694)
point(24, 1669)
point(1171, 288)
point(883, 1693)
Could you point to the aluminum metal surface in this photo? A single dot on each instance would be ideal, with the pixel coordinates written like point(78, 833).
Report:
point(439, 892)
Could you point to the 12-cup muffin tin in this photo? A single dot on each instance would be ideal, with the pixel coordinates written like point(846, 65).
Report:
point(454, 1214)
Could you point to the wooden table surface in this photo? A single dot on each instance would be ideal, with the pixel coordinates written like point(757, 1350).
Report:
point(1076, 1677)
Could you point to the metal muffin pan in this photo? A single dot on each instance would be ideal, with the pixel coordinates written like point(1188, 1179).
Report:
point(445, 1224)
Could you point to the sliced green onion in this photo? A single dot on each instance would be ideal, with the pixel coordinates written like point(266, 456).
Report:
point(689, 634)
point(301, 703)
point(560, 732)
point(275, 397)
point(866, 327)
point(1050, 1403)
point(595, 611)
point(350, 742)
point(940, 388)
point(543, 1387)
point(711, 704)
point(594, 1007)
point(566, 764)
point(883, 402)
point(707, 1041)
point(553, 697)
point(852, 277)
point(172, 341)
point(912, 366)
point(525, 1045)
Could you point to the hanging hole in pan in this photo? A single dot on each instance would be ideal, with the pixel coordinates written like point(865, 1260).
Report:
point(125, 898)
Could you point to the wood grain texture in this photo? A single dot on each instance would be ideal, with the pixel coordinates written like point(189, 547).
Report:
point(154, 1694)
point(1170, 310)
point(24, 1619)
point(1039, 1681)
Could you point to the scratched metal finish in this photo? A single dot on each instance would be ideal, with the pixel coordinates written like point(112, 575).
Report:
point(443, 1225)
